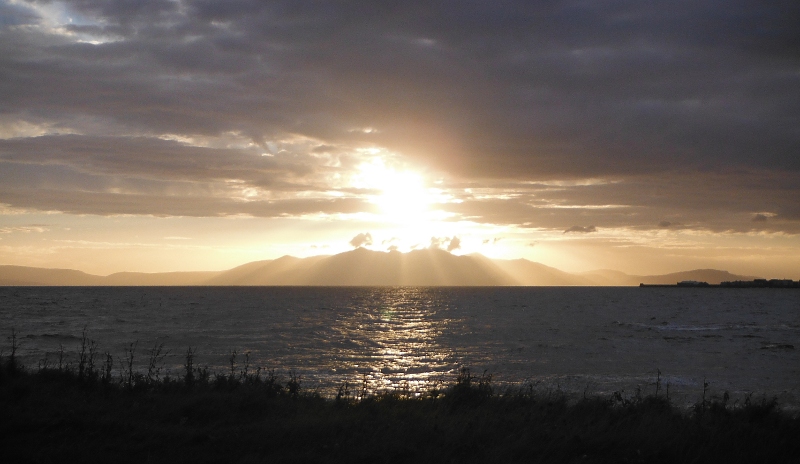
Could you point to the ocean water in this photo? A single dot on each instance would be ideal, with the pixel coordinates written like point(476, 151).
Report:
point(592, 339)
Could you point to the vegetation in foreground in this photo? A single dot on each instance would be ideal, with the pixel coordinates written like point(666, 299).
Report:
point(81, 414)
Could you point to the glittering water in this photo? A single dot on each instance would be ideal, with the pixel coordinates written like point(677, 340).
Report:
point(576, 339)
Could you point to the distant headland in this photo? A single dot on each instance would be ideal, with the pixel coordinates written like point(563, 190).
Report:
point(755, 283)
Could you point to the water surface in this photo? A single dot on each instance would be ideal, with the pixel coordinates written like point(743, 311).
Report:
point(578, 339)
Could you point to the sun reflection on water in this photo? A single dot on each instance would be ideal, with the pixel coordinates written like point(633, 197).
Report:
point(394, 337)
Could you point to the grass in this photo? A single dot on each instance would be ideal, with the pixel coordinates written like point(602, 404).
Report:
point(68, 413)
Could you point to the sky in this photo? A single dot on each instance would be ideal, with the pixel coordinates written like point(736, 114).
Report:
point(176, 135)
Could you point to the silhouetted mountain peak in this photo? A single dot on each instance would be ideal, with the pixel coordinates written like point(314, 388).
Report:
point(365, 267)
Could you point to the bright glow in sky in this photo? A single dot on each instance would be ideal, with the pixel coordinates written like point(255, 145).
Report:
point(402, 196)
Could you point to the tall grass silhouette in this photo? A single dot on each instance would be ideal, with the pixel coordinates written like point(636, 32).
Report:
point(78, 411)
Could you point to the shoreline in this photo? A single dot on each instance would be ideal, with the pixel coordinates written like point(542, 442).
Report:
point(760, 283)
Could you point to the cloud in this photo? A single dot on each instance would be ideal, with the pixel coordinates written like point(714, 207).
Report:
point(664, 224)
point(714, 201)
point(361, 240)
point(391, 244)
point(580, 229)
point(455, 243)
point(686, 112)
point(540, 81)
point(448, 243)
point(109, 203)
point(25, 229)
point(759, 218)
point(156, 159)
point(138, 175)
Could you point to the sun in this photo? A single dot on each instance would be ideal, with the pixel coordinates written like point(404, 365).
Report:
point(401, 196)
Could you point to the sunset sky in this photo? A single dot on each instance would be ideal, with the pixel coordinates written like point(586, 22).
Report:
point(172, 135)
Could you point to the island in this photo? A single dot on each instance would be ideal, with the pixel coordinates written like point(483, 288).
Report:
point(755, 283)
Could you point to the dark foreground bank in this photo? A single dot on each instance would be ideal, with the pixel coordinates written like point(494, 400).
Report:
point(82, 414)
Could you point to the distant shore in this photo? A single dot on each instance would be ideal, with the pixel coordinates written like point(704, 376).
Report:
point(757, 283)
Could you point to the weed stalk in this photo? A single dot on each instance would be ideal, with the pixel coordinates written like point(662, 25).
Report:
point(188, 378)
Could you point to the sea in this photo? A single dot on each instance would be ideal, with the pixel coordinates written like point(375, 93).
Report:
point(574, 340)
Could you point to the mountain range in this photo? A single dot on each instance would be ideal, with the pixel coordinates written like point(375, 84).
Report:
point(428, 267)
